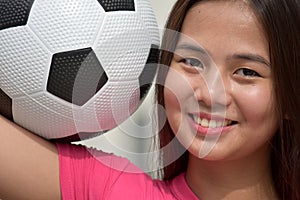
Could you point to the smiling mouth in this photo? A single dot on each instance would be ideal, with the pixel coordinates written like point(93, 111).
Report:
point(212, 123)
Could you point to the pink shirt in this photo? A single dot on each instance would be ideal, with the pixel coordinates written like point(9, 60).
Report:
point(92, 174)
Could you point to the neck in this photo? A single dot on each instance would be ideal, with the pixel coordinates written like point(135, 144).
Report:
point(247, 178)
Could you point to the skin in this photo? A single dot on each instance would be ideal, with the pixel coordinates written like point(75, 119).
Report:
point(236, 163)
point(38, 178)
point(237, 166)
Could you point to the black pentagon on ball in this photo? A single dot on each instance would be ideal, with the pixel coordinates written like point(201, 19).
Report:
point(149, 71)
point(14, 12)
point(5, 105)
point(117, 5)
point(76, 76)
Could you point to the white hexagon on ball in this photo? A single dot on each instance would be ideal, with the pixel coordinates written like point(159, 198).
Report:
point(70, 67)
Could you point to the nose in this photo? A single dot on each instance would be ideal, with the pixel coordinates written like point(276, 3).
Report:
point(212, 88)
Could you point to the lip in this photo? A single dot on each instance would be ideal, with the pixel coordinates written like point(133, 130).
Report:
point(209, 116)
point(209, 131)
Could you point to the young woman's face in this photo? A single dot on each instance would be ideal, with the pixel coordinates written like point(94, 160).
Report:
point(218, 91)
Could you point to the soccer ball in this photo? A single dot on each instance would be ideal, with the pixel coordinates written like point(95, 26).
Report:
point(70, 69)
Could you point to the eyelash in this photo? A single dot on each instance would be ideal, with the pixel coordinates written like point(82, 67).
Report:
point(192, 62)
point(196, 63)
point(253, 73)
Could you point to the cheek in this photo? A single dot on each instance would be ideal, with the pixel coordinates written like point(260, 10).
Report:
point(172, 109)
point(177, 90)
point(171, 99)
point(256, 104)
point(178, 98)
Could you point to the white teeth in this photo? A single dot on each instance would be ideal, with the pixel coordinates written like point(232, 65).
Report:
point(219, 124)
point(198, 120)
point(211, 123)
point(204, 123)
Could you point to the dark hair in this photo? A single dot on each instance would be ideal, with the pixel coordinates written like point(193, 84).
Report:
point(280, 20)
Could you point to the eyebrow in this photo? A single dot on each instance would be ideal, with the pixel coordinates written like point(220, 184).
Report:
point(251, 57)
point(195, 48)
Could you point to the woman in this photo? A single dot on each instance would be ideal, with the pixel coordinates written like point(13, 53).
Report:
point(230, 96)
point(280, 23)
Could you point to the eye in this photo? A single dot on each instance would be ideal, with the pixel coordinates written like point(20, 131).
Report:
point(247, 72)
point(192, 62)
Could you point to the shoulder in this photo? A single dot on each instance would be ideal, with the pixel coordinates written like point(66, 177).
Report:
point(81, 155)
point(87, 173)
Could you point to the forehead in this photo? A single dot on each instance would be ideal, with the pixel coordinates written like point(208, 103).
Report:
point(220, 15)
point(219, 7)
point(231, 25)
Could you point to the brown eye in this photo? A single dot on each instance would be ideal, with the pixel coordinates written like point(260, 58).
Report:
point(247, 72)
